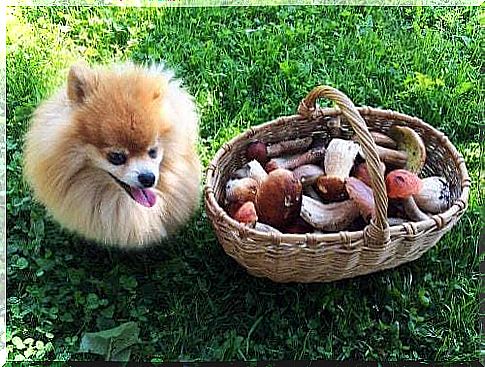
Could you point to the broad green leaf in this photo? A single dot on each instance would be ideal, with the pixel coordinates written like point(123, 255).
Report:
point(114, 344)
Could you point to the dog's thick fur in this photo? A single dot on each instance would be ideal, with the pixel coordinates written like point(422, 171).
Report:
point(126, 108)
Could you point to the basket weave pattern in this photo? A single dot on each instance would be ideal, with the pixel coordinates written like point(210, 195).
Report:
point(328, 257)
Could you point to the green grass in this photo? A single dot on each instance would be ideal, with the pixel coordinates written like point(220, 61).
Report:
point(247, 66)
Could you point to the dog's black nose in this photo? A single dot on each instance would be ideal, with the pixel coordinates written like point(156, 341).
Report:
point(146, 179)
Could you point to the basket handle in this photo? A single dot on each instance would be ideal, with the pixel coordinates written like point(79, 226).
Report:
point(377, 232)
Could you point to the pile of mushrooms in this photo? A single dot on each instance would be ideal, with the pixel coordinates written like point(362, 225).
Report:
point(305, 185)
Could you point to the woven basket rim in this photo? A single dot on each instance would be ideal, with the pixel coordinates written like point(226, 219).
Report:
point(439, 220)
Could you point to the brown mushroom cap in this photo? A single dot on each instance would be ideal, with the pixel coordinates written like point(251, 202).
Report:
point(241, 190)
point(278, 200)
point(257, 150)
point(331, 188)
point(401, 184)
point(410, 142)
point(273, 164)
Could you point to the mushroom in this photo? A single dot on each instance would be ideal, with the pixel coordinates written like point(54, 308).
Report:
point(257, 150)
point(329, 217)
point(402, 185)
point(411, 153)
point(245, 213)
point(362, 173)
point(339, 160)
point(252, 169)
point(263, 152)
point(380, 139)
point(241, 190)
point(280, 162)
point(362, 195)
point(435, 195)
point(308, 190)
point(391, 157)
point(278, 200)
point(308, 173)
point(311, 156)
point(331, 188)
point(410, 142)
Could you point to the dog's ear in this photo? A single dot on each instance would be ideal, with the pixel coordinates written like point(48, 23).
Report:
point(81, 81)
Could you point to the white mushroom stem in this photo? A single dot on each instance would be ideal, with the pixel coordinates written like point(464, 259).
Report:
point(412, 210)
point(309, 157)
point(340, 157)
point(257, 171)
point(329, 217)
point(252, 169)
point(339, 161)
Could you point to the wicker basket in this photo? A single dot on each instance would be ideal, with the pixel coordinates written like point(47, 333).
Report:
point(328, 257)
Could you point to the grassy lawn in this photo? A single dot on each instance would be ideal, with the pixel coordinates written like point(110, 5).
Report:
point(247, 66)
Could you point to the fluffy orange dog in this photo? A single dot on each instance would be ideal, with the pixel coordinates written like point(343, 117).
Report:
point(113, 156)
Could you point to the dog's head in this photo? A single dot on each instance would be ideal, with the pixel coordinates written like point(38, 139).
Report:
point(119, 116)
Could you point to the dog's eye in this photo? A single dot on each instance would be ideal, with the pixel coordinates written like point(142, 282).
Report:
point(153, 153)
point(117, 158)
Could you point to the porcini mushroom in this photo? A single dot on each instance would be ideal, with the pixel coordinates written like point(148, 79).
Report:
point(263, 152)
point(410, 142)
point(410, 153)
point(246, 214)
point(362, 195)
point(390, 157)
point(362, 173)
point(308, 190)
point(278, 200)
point(435, 196)
point(339, 160)
point(402, 185)
point(311, 156)
point(241, 190)
point(252, 169)
point(329, 217)
point(308, 173)
point(381, 140)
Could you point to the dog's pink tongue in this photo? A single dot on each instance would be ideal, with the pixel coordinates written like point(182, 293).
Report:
point(144, 197)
